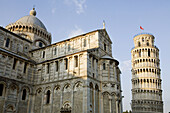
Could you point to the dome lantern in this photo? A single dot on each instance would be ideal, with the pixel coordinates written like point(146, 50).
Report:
point(33, 12)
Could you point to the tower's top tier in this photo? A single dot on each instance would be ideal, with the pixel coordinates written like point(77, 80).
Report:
point(143, 39)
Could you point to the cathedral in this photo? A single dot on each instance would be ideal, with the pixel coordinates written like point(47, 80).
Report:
point(76, 75)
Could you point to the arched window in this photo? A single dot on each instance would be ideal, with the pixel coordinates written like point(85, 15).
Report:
point(24, 93)
point(43, 56)
point(1, 89)
point(142, 39)
point(66, 63)
point(144, 80)
point(149, 53)
point(68, 47)
point(40, 44)
point(147, 43)
point(93, 62)
point(14, 63)
point(139, 53)
point(48, 97)
point(48, 68)
point(104, 66)
point(7, 42)
point(104, 46)
point(156, 54)
point(55, 51)
point(25, 67)
point(139, 44)
point(75, 61)
point(57, 65)
point(84, 44)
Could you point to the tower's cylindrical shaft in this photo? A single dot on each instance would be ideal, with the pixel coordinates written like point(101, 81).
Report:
point(146, 80)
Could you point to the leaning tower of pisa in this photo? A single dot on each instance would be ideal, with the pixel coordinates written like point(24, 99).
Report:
point(146, 76)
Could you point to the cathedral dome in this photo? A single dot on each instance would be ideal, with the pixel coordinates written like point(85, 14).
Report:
point(31, 28)
point(31, 19)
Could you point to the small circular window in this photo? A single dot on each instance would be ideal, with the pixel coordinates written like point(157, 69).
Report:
point(26, 48)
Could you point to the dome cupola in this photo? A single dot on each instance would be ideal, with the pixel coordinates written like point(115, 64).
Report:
point(31, 20)
point(31, 28)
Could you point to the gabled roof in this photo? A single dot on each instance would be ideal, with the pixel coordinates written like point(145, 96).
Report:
point(106, 34)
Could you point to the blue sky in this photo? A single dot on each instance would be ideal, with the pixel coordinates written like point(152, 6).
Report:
point(67, 18)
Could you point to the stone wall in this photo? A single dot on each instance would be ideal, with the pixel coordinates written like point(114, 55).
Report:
point(17, 68)
point(14, 43)
point(13, 98)
point(68, 75)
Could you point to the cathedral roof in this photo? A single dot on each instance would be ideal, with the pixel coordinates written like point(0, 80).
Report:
point(107, 57)
point(110, 58)
point(31, 19)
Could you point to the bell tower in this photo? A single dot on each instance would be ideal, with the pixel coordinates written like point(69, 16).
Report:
point(146, 76)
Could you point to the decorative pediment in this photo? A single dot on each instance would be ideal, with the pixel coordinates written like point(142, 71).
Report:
point(104, 33)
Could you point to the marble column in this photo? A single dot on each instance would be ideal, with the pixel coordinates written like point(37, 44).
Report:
point(6, 97)
point(51, 110)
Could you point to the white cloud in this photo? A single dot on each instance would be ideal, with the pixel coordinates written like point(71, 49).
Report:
point(67, 2)
point(126, 65)
point(53, 10)
point(75, 32)
point(53, 4)
point(80, 5)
